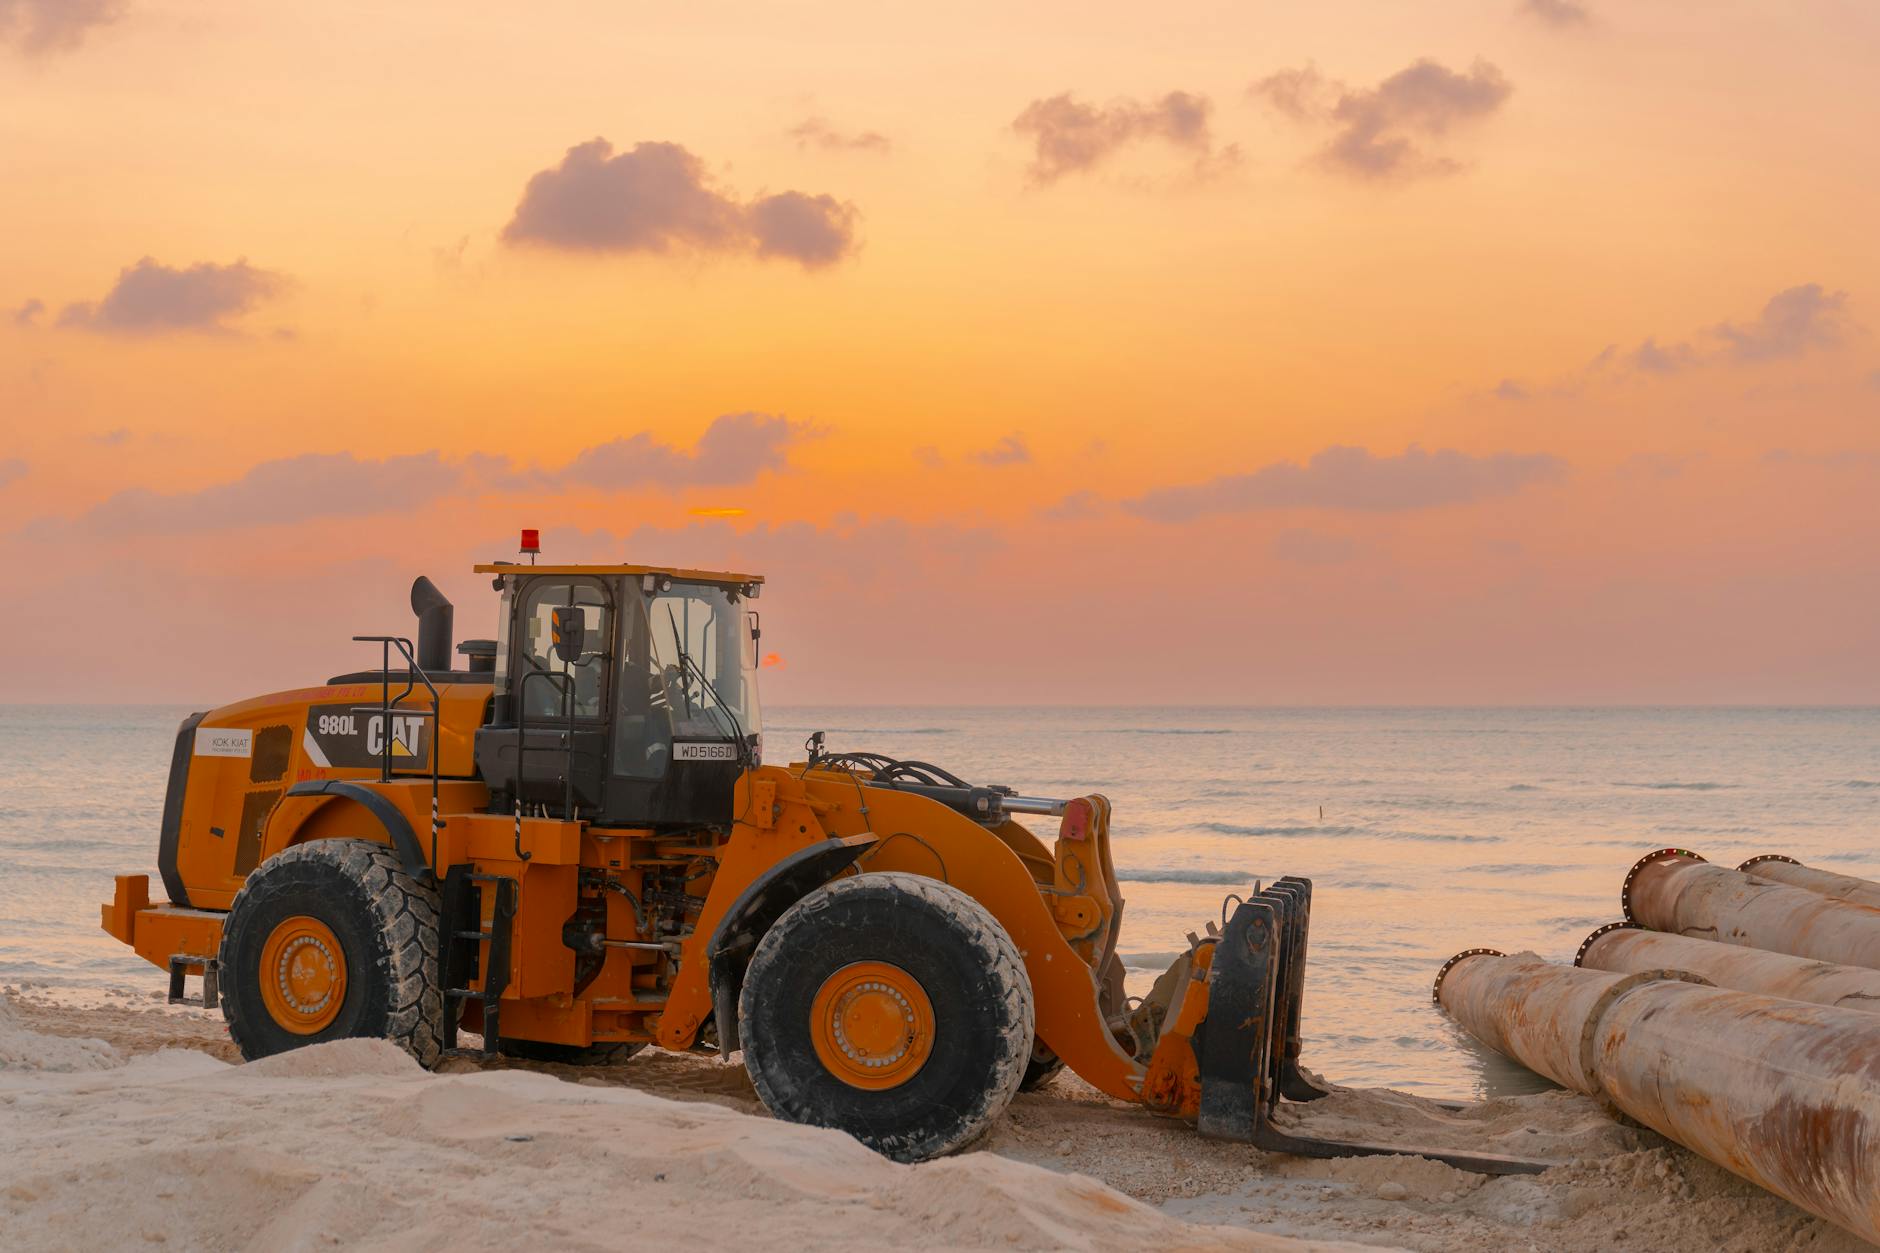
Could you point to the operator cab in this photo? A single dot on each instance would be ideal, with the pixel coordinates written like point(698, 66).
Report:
point(625, 695)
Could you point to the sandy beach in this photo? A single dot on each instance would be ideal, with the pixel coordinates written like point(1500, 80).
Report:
point(130, 1124)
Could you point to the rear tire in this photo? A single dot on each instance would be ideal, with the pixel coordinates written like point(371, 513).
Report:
point(890, 1006)
point(346, 942)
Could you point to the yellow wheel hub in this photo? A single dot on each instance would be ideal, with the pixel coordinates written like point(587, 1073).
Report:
point(303, 975)
point(872, 1025)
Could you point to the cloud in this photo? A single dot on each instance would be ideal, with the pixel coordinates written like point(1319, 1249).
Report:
point(1791, 323)
point(735, 448)
point(12, 470)
point(1010, 451)
point(43, 26)
point(816, 132)
point(111, 438)
point(1069, 136)
point(659, 198)
point(1313, 548)
point(929, 456)
point(28, 313)
point(1342, 477)
point(151, 299)
point(1377, 132)
point(812, 230)
point(1654, 358)
point(1557, 12)
point(1074, 507)
point(1509, 389)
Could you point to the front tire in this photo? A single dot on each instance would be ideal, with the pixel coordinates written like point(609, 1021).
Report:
point(331, 940)
point(890, 1006)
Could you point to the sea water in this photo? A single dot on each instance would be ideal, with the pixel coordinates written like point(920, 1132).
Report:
point(1424, 831)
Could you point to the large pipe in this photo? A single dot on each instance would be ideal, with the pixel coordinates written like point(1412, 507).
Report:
point(1784, 1094)
point(1625, 948)
point(1675, 890)
point(434, 625)
point(1521, 1008)
point(1840, 887)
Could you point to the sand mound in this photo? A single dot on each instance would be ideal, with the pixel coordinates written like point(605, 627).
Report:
point(22, 1048)
point(337, 1059)
point(350, 1143)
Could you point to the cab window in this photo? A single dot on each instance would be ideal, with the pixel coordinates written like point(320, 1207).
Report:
point(581, 684)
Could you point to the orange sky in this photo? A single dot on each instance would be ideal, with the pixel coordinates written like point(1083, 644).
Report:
point(1471, 351)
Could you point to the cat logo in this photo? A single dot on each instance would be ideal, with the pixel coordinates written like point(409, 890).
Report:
point(346, 736)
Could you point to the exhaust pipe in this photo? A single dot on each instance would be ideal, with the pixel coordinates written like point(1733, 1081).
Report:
point(1675, 890)
point(434, 625)
point(1623, 948)
point(1784, 1094)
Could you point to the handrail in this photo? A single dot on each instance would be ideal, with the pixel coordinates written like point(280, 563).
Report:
point(414, 675)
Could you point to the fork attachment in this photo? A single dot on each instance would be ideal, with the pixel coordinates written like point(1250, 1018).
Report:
point(1248, 1046)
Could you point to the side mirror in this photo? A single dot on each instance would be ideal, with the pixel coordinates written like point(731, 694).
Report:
point(569, 625)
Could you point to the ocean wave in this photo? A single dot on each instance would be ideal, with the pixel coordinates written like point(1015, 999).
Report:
point(1862, 783)
point(1163, 731)
point(1675, 786)
point(1311, 832)
point(1520, 867)
point(871, 730)
point(1525, 787)
point(1178, 875)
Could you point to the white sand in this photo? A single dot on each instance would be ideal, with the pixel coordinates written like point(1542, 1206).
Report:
point(353, 1143)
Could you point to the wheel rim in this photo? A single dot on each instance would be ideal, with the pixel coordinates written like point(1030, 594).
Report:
point(303, 975)
point(872, 1025)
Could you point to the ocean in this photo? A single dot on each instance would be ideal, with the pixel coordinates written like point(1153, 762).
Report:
point(1424, 831)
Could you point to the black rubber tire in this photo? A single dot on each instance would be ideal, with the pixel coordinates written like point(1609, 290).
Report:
point(1041, 1068)
point(963, 960)
point(386, 925)
point(570, 1054)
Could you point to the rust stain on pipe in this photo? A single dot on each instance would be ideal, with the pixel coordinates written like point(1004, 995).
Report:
point(1624, 948)
point(1837, 887)
point(1783, 1093)
point(1677, 891)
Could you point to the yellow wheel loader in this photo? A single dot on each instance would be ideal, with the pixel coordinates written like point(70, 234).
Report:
point(569, 844)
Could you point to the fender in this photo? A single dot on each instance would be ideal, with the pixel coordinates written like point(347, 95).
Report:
point(404, 839)
point(756, 908)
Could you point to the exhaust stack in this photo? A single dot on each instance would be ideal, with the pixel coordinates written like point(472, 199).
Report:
point(435, 621)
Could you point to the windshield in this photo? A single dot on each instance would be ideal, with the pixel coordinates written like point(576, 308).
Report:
point(706, 657)
point(688, 673)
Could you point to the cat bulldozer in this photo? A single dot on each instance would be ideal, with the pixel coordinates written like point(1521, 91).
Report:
point(566, 842)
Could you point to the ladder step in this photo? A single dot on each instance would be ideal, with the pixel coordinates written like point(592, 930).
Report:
point(469, 994)
point(471, 935)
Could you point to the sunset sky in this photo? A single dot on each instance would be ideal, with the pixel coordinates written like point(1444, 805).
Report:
point(1465, 351)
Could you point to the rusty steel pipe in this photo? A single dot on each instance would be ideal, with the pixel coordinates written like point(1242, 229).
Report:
point(1625, 948)
point(1785, 1094)
point(1677, 891)
point(1839, 887)
point(1521, 1008)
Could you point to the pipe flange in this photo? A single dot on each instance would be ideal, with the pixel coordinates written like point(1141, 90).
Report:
point(1744, 868)
point(1436, 992)
point(1625, 892)
point(1579, 958)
